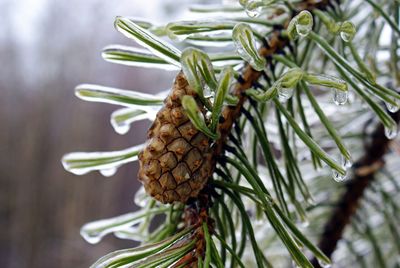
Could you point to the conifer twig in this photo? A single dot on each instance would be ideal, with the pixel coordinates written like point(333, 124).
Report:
point(364, 173)
point(274, 45)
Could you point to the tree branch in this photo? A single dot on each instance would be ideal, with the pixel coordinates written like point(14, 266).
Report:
point(364, 172)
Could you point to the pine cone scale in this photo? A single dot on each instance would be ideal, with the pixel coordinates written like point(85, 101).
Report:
point(176, 162)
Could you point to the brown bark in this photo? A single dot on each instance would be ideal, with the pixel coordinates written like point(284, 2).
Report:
point(364, 170)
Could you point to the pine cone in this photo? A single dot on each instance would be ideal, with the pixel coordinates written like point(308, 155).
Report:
point(176, 162)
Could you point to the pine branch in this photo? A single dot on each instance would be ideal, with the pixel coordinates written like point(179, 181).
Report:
point(274, 45)
point(201, 188)
point(364, 173)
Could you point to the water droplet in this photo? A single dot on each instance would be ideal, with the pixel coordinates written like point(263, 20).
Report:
point(208, 93)
point(132, 233)
point(108, 172)
point(253, 13)
point(305, 223)
point(324, 264)
point(243, 3)
point(93, 232)
point(77, 163)
point(284, 93)
point(340, 96)
point(393, 108)
point(346, 163)
point(122, 128)
point(337, 176)
point(303, 30)
point(301, 24)
point(391, 132)
point(141, 198)
point(196, 63)
point(244, 42)
point(254, 8)
point(345, 36)
point(310, 201)
point(347, 31)
point(122, 119)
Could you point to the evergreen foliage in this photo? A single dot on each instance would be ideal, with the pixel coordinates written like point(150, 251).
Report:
point(296, 91)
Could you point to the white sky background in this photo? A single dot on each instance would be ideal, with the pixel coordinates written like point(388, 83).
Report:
point(25, 22)
point(25, 15)
point(32, 26)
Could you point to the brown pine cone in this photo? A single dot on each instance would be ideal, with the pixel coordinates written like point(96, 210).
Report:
point(176, 162)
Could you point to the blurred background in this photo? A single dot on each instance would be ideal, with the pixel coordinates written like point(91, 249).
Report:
point(47, 47)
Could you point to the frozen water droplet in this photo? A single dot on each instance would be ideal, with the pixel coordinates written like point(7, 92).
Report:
point(347, 31)
point(337, 176)
point(391, 133)
point(77, 171)
point(141, 197)
point(244, 42)
point(108, 172)
point(92, 239)
point(393, 108)
point(310, 201)
point(77, 163)
point(346, 163)
point(303, 30)
point(345, 36)
point(208, 93)
point(253, 8)
point(122, 119)
point(253, 13)
point(324, 264)
point(340, 96)
point(243, 3)
point(132, 233)
point(93, 232)
point(173, 35)
point(305, 223)
point(178, 37)
point(121, 128)
point(284, 93)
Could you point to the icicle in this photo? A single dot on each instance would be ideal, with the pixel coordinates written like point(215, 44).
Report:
point(340, 96)
point(132, 233)
point(391, 133)
point(303, 29)
point(345, 36)
point(284, 93)
point(310, 201)
point(347, 31)
point(337, 176)
point(80, 163)
point(244, 41)
point(108, 172)
point(93, 232)
point(393, 108)
point(141, 198)
point(301, 25)
point(253, 8)
point(304, 223)
point(243, 3)
point(324, 264)
point(346, 163)
point(121, 128)
point(122, 119)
